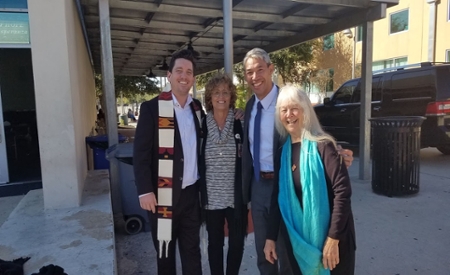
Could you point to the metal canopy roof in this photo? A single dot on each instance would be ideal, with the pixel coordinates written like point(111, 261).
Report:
point(146, 32)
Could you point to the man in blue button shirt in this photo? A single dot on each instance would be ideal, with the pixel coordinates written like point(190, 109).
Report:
point(261, 141)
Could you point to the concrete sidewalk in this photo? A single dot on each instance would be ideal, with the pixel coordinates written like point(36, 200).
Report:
point(79, 239)
point(405, 235)
point(399, 235)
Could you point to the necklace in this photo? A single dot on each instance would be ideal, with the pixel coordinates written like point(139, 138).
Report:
point(221, 125)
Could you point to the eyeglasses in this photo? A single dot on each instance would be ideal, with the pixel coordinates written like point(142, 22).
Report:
point(223, 94)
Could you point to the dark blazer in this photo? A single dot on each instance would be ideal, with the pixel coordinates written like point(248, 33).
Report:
point(247, 159)
point(341, 226)
point(146, 145)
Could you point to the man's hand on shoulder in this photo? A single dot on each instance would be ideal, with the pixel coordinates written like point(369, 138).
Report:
point(148, 202)
point(239, 114)
point(346, 154)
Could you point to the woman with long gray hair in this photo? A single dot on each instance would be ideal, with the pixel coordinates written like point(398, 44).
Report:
point(311, 198)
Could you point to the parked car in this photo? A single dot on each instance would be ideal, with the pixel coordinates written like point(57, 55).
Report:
point(421, 90)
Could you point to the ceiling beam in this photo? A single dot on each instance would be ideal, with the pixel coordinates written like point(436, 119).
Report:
point(389, 2)
point(165, 38)
point(276, 18)
point(149, 46)
point(293, 10)
point(216, 13)
point(143, 48)
point(115, 50)
point(236, 2)
point(182, 27)
point(341, 3)
point(344, 22)
point(126, 34)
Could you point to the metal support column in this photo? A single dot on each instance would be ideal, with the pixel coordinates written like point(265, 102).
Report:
point(228, 36)
point(110, 98)
point(366, 99)
point(355, 37)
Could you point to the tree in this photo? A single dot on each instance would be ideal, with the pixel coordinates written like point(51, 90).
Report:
point(289, 61)
point(330, 66)
point(243, 91)
point(238, 71)
point(338, 58)
point(321, 79)
point(129, 86)
point(242, 96)
point(201, 80)
point(133, 89)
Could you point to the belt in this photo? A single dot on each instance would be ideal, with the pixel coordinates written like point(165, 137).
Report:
point(266, 175)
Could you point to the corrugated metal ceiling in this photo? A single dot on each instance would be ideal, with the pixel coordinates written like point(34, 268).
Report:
point(146, 32)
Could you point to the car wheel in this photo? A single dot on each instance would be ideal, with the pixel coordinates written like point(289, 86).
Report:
point(444, 149)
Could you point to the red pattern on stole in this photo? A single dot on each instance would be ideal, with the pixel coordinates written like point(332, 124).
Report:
point(165, 212)
point(165, 96)
point(164, 182)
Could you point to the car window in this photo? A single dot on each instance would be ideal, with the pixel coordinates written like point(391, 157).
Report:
point(412, 85)
point(443, 83)
point(344, 93)
point(376, 90)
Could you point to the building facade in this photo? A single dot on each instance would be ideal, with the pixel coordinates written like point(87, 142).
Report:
point(48, 100)
point(413, 31)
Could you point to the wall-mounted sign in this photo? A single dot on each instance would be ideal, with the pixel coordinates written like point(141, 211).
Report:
point(13, 4)
point(14, 28)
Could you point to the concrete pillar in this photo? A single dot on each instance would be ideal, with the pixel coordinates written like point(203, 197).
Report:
point(65, 99)
point(366, 101)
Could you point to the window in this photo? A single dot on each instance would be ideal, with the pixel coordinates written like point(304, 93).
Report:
point(359, 33)
point(410, 85)
point(447, 56)
point(330, 84)
point(376, 90)
point(328, 42)
point(344, 94)
point(389, 63)
point(399, 21)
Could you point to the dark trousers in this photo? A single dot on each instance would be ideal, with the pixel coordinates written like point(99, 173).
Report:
point(346, 264)
point(186, 230)
point(215, 221)
point(261, 199)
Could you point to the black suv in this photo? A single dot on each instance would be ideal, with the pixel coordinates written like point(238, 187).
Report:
point(421, 91)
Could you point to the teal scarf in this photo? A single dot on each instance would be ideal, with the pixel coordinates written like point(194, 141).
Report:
point(307, 227)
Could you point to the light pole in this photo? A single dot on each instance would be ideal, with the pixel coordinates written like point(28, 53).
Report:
point(352, 35)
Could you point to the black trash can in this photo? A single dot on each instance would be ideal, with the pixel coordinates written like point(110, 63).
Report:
point(99, 144)
point(136, 218)
point(396, 154)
